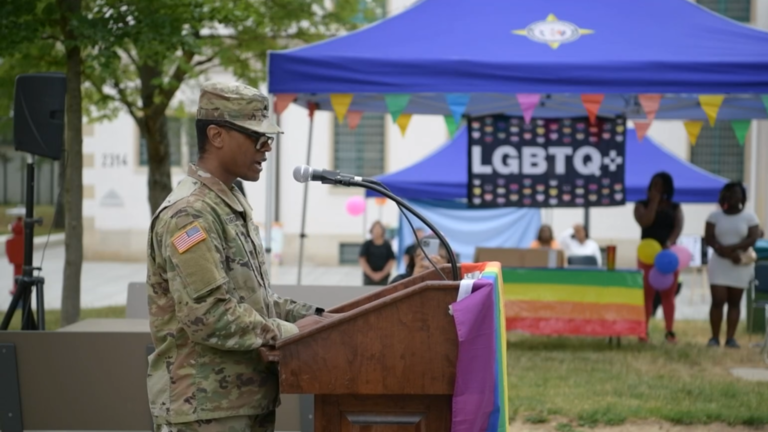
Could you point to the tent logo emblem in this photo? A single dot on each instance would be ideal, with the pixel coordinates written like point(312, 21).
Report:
point(552, 31)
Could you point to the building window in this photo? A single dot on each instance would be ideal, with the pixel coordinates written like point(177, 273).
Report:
point(718, 151)
point(738, 10)
point(175, 130)
point(349, 253)
point(360, 151)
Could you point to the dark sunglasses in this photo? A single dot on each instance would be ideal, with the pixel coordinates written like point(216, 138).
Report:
point(260, 140)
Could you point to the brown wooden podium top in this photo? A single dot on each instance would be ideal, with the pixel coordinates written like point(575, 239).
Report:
point(400, 339)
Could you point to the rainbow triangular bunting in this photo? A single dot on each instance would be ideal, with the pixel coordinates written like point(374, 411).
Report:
point(765, 100)
point(396, 103)
point(311, 108)
point(282, 101)
point(450, 122)
point(592, 104)
point(641, 128)
point(693, 128)
point(402, 122)
point(740, 128)
point(711, 105)
point(650, 104)
point(457, 102)
point(353, 119)
point(340, 103)
point(528, 102)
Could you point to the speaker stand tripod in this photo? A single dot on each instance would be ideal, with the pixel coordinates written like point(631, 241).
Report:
point(26, 282)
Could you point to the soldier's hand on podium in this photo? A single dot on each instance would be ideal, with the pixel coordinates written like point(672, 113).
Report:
point(307, 323)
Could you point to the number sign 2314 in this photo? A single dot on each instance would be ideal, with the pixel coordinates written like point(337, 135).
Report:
point(113, 160)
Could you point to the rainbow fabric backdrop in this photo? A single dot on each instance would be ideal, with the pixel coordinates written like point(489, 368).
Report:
point(481, 390)
point(574, 302)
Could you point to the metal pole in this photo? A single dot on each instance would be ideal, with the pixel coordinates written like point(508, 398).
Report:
point(304, 203)
point(752, 191)
point(268, 205)
point(586, 219)
point(276, 164)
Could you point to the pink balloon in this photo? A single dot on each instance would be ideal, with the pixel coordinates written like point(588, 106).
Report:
point(355, 206)
point(684, 256)
point(660, 281)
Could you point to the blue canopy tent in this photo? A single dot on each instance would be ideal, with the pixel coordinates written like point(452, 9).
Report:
point(491, 50)
point(443, 174)
point(466, 229)
point(559, 48)
point(437, 187)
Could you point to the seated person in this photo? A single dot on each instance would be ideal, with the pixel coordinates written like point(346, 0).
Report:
point(576, 242)
point(408, 256)
point(420, 264)
point(545, 239)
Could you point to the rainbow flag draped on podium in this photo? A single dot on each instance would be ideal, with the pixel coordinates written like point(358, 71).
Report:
point(481, 389)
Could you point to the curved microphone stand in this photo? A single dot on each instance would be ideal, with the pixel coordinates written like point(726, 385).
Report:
point(384, 191)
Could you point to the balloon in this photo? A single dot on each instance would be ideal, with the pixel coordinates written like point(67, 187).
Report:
point(647, 251)
point(381, 201)
point(684, 256)
point(660, 281)
point(355, 206)
point(666, 262)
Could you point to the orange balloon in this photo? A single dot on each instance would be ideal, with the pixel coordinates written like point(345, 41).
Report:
point(381, 201)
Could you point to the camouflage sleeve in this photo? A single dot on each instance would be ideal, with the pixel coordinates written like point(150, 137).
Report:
point(290, 310)
point(197, 281)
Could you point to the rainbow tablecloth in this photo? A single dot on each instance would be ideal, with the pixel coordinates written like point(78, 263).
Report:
point(588, 302)
point(480, 394)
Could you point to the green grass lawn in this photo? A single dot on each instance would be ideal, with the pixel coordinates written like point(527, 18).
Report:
point(42, 211)
point(590, 383)
point(53, 316)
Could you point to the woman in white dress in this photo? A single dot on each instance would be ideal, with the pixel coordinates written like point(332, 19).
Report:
point(731, 232)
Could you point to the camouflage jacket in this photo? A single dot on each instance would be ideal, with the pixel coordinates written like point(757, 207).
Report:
point(210, 306)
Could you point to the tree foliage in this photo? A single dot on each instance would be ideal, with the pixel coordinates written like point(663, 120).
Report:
point(151, 47)
point(43, 36)
point(136, 55)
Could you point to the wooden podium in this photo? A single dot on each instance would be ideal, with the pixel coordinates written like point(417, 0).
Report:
point(388, 363)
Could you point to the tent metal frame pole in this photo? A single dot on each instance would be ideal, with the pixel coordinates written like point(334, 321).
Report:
point(269, 204)
point(752, 191)
point(302, 234)
point(586, 219)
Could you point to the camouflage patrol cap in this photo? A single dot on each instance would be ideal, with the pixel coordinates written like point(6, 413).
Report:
point(237, 103)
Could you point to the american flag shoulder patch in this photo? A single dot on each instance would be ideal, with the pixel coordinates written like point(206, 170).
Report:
point(191, 236)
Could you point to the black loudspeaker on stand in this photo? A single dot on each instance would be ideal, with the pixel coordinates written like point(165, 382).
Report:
point(38, 129)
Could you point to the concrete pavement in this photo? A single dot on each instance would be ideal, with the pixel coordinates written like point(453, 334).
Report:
point(106, 283)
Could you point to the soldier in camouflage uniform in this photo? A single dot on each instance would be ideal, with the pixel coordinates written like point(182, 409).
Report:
point(210, 303)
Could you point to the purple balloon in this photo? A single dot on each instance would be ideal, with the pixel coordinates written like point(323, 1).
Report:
point(660, 281)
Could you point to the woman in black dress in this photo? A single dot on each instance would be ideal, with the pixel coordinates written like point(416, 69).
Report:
point(660, 219)
point(377, 257)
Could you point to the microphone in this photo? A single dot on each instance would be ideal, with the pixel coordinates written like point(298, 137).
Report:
point(305, 173)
